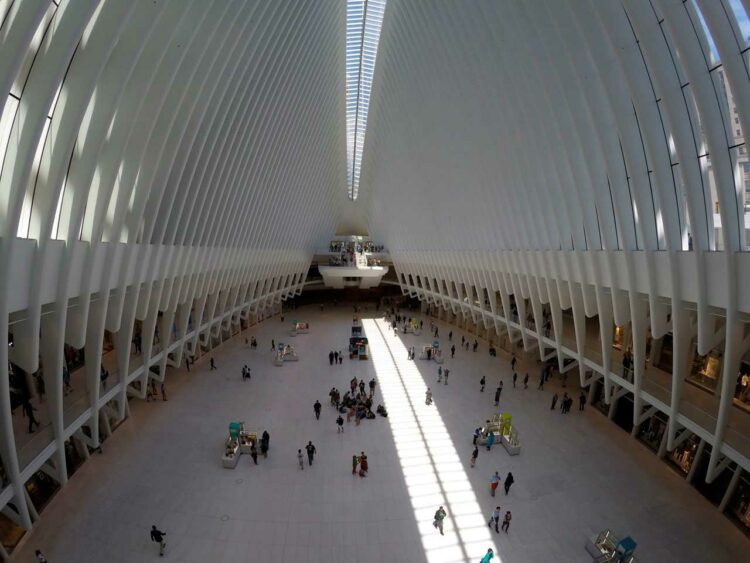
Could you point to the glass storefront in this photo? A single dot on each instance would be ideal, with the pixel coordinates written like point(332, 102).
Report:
point(651, 431)
point(682, 456)
point(706, 370)
point(738, 508)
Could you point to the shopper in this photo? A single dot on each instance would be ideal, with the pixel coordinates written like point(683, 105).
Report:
point(310, 452)
point(481, 383)
point(300, 459)
point(341, 358)
point(494, 482)
point(474, 456)
point(497, 396)
point(474, 347)
point(488, 556)
point(158, 537)
point(355, 463)
point(490, 440)
point(508, 482)
point(554, 402)
point(340, 424)
point(440, 515)
point(28, 410)
point(39, 557)
point(495, 519)
point(316, 408)
point(506, 521)
point(515, 376)
point(581, 401)
point(212, 364)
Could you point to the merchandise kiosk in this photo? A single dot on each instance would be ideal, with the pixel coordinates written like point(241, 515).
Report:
point(432, 352)
point(501, 426)
point(605, 547)
point(358, 348)
point(412, 326)
point(299, 328)
point(232, 446)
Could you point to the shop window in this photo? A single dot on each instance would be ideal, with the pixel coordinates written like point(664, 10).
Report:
point(682, 456)
point(742, 387)
point(738, 508)
point(652, 431)
point(706, 370)
point(715, 490)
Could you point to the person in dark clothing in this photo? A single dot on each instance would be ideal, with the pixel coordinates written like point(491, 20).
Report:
point(515, 376)
point(554, 402)
point(581, 401)
point(513, 361)
point(254, 453)
point(158, 537)
point(563, 403)
point(497, 396)
point(453, 350)
point(330, 357)
point(212, 364)
point(273, 345)
point(316, 408)
point(187, 363)
point(28, 410)
point(340, 424)
point(474, 347)
point(265, 439)
point(336, 357)
point(508, 481)
point(310, 452)
point(372, 387)
point(482, 382)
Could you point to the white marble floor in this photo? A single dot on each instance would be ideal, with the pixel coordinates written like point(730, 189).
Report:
point(576, 475)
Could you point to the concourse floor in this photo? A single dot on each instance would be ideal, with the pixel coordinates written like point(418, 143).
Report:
point(577, 474)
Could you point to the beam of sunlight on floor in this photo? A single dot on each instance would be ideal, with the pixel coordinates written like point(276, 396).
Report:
point(429, 461)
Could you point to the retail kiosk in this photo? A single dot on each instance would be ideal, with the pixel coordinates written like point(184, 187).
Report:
point(299, 328)
point(284, 353)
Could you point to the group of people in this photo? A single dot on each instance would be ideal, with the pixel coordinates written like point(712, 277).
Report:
point(356, 403)
point(360, 461)
point(251, 342)
point(335, 357)
point(245, 373)
point(567, 402)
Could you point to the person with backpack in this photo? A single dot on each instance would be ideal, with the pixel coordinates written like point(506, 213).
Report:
point(440, 515)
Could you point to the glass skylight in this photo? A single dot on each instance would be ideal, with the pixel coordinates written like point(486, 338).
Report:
point(364, 19)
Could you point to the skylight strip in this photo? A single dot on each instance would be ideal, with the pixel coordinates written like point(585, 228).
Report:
point(364, 19)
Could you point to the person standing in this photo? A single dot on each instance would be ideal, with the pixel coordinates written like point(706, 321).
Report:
point(494, 482)
point(474, 456)
point(340, 424)
point(158, 537)
point(445, 376)
point(300, 460)
point(330, 357)
point(563, 403)
point(273, 345)
point(581, 401)
point(28, 410)
point(508, 482)
point(526, 381)
point(355, 463)
point(506, 521)
point(335, 357)
point(372, 387)
point(495, 519)
point(453, 351)
point(488, 556)
point(513, 361)
point(542, 373)
point(490, 440)
point(363, 466)
point(428, 397)
point(264, 442)
point(310, 452)
point(187, 363)
point(440, 374)
point(254, 453)
point(497, 396)
point(554, 402)
point(450, 335)
point(341, 358)
point(440, 515)
point(481, 383)
point(477, 433)
point(316, 408)
point(40, 558)
point(515, 376)
point(163, 392)
point(212, 364)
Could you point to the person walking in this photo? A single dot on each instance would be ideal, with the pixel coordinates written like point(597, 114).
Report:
point(515, 376)
point(341, 358)
point(440, 515)
point(163, 392)
point(40, 558)
point(474, 456)
point(264, 442)
point(554, 402)
point(481, 383)
point(494, 482)
point(526, 381)
point(506, 521)
point(446, 373)
point(363, 466)
point(335, 357)
point(508, 482)
point(339, 424)
point(490, 440)
point(513, 361)
point(273, 345)
point(187, 363)
point(440, 374)
point(158, 537)
point(372, 384)
point(497, 396)
point(488, 556)
point(450, 335)
point(477, 433)
point(495, 519)
point(310, 452)
point(453, 351)
point(563, 403)
point(581, 401)
point(212, 364)
point(316, 408)
point(300, 459)
point(355, 463)
point(254, 453)
point(541, 379)
point(28, 410)
point(330, 357)
point(428, 397)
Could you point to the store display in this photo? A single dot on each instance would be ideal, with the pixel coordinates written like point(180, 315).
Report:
point(284, 353)
point(299, 328)
point(359, 348)
point(606, 547)
point(239, 441)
